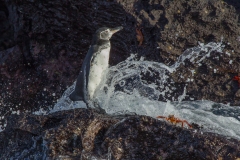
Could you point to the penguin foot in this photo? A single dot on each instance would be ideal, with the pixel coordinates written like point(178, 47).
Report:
point(97, 107)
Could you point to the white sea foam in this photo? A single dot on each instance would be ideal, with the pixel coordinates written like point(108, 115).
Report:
point(135, 85)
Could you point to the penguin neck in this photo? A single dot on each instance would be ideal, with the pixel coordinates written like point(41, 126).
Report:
point(100, 42)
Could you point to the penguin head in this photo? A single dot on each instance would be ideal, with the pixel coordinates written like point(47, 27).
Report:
point(106, 33)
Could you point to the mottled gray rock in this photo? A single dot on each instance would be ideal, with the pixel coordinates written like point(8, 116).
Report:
point(237, 94)
point(83, 133)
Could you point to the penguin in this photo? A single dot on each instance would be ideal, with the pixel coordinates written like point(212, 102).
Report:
point(94, 65)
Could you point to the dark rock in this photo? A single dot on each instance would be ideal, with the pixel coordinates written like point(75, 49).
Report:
point(43, 43)
point(83, 133)
point(237, 94)
point(52, 38)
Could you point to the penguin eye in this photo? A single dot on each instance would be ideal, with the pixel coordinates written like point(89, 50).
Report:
point(104, 32)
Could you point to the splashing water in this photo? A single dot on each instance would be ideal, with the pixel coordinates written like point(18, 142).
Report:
point(145, 88)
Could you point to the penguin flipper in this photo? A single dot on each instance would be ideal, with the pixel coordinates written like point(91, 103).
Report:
point(75, 97)
point(78, 93)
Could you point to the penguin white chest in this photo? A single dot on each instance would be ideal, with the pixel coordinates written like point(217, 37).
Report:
point(97, 67)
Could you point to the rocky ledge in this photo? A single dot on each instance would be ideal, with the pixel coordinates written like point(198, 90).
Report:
point(88, 134)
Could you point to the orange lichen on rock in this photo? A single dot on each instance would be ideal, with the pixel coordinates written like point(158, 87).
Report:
point(139, 35)
point(175, 120)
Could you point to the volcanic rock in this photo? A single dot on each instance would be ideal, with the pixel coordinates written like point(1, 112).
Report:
point(88, 134)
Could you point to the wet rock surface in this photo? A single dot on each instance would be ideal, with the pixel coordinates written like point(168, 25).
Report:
point(42, 46)
point(85, 134)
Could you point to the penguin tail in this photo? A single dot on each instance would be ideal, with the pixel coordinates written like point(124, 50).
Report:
point(74, 97)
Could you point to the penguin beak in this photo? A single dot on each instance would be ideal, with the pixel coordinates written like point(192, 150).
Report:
point(116, 29)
